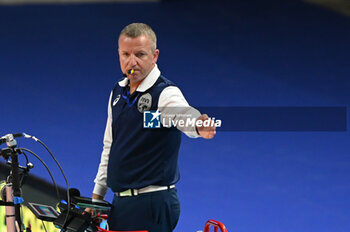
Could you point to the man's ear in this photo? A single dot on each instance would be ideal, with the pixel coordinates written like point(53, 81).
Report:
point(155, 56)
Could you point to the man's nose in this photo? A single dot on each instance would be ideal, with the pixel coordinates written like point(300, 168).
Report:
point(132, 60)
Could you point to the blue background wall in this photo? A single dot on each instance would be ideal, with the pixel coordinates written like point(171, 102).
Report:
point(59, 62)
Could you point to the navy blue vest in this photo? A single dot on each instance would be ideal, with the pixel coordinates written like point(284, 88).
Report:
point(141, 156)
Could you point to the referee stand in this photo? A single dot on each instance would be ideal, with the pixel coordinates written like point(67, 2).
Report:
point(210, 223)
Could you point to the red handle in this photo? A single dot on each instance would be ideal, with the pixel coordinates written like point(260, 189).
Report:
point(103, 216)
point(217, 225)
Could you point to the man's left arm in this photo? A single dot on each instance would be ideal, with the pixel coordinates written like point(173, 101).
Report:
point(174, 108)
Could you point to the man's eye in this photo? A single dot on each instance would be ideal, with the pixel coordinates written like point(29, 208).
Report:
point(126, 54)
point(141, 54)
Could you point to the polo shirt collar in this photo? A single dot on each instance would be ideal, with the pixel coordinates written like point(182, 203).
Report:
point(146, 83)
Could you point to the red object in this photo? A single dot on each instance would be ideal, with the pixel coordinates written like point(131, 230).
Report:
point(103, 216)
point(103, 230)
point(216, 224)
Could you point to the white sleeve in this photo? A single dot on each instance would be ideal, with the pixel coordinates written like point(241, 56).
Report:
point(173, 105)
point(101, 177)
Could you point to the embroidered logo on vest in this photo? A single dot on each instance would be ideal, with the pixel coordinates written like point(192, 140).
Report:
point(116, 100)
point(144, 103)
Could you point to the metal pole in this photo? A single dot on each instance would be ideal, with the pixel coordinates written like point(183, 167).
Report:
point(16, 190)
point(10, 211)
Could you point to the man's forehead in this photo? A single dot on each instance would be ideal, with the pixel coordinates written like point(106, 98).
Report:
point(142, 40)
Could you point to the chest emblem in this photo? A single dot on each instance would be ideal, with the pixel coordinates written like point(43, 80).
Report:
point(144, 103)
point(116, 100)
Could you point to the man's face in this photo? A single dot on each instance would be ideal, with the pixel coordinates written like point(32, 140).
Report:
point(136, 53)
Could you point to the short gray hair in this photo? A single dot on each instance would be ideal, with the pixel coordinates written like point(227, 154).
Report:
point(134, 30)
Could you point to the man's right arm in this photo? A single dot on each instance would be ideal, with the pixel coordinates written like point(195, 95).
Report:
point(101, 188)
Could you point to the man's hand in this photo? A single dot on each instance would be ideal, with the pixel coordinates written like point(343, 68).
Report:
point(208, 129)
point(92, 211)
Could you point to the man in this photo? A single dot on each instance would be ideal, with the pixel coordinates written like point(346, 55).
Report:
point(140, 164)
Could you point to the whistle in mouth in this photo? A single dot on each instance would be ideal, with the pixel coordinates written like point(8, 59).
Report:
point(131, 71)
